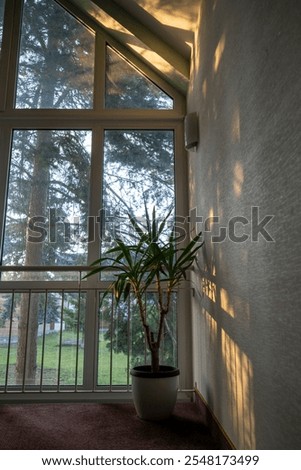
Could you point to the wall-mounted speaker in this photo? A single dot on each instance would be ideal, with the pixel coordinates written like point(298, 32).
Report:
point(191, 131)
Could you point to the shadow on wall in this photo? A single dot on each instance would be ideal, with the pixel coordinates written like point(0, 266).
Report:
point(245, 88)
point(225, 310)
point(226, 358)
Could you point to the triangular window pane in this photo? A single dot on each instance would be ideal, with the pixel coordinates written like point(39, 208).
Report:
point(127, 88)
point(56, 59)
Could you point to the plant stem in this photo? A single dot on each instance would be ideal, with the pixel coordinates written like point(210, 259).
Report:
point(155, 359)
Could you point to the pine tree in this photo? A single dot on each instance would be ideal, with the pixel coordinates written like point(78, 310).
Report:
point(50, 169)
point(55, 69)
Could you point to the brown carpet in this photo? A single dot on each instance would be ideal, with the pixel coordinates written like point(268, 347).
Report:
point(100, 426)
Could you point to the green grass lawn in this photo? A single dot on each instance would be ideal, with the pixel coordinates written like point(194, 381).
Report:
point(71, 360)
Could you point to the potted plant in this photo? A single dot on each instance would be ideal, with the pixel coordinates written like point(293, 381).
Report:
point(149, 256)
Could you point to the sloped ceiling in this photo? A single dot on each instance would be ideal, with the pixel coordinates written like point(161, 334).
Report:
point(159, 32)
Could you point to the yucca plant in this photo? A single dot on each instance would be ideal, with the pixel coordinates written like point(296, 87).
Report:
point(148, 257)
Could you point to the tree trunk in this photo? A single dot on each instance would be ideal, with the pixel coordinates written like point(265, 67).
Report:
point(26, 362)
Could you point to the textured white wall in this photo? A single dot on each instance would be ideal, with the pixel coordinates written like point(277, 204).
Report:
point(246, 89)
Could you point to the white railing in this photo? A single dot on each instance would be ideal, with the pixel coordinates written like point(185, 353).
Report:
point(55, 338)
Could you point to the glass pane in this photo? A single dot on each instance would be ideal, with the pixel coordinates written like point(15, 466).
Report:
point(56, 59)
point(127, 88)
point(47, 202)
point(138, 170)
point(113, 353)
point(122, 343)
point(49, 353)
point(2, 5)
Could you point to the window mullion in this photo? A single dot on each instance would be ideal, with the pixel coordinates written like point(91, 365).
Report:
point(94, 231)
point(184, 340)
point(5, 143)
point(10, 43)
point(95, 193)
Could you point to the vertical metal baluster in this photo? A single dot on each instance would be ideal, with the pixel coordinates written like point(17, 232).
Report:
point(43, 341)
point(26, 342)
point(77, 332)
point(96, 339)
point(60, 344)
point(111, 347)
point(9, 340)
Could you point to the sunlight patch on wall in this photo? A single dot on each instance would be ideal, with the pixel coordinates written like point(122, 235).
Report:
point(213, 270)
point(239, 372)
point(238, 178)
point(209, 289)
point(211, 327)
point(236, 125)
point(192, 185)
point(219, 53)
point(204, 88)
point(196, 54)
point(210, 220)
point(225, 303)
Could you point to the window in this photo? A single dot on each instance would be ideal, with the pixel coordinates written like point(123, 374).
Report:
point(48, 199)
point(81, 146)
point(126, 87)
point(138, 171)
point(56, 59)
point(123, 344)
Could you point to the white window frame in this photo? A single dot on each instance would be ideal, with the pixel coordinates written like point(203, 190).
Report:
point(97, 119)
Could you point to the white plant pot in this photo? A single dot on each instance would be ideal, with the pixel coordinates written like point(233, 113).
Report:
point(154, 394)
